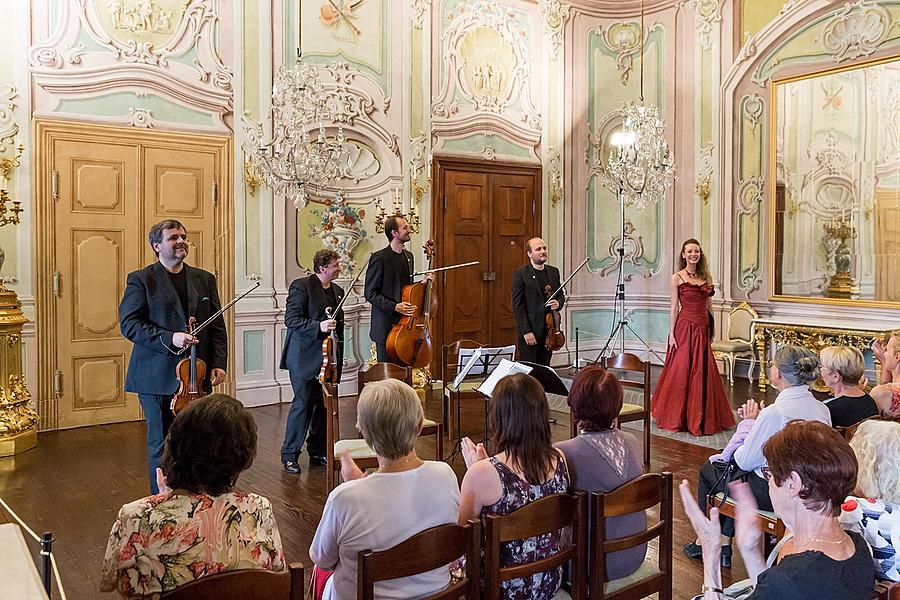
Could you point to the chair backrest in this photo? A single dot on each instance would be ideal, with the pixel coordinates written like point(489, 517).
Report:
point(545, 515)
point(332, 416)
point(450, 357)
point(740, 323)
point(631, 364)
point(423, 552)
point(385, 370)
point(246, 584)
point(639, 494)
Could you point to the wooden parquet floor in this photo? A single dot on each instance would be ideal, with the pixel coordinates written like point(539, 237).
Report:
point(74, 482)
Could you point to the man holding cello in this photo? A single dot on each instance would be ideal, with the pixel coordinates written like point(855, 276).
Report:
point(153, 314)
point(308, 324)
point(530, 302)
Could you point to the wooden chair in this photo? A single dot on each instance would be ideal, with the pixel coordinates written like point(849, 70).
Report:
point(450, 395)
point(848, 432)
point(334, 445)
point(738, 340)
point(544, 515)
point(246, 584)
point(427, 550)
point(770, 524)
point(381, 371)
point(886, 590)
point(640, 494)
point(629, 412)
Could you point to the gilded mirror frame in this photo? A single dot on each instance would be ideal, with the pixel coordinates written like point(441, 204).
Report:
point(773, 203)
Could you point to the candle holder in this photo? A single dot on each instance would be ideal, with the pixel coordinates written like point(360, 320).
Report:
point(7, 166)
point(411, 216)
point(837, 233)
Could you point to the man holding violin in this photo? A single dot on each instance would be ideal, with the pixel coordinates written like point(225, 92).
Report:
point(307, 327)
point(153, 315)
point(389, 270)
point(530, 305)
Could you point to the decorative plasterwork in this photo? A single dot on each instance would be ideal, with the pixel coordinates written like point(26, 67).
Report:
point(749, 201)
point(138, 45)
point(9, 129)
point(140, 117)
point(856, 31)
point(624, 40)
point(706, 14)
point(486, 62)
point(418, 155)
point(753, 108)
point(554, 15)
point(555, 176)
point(419, 7)
point(703, 184)
point(633, 253)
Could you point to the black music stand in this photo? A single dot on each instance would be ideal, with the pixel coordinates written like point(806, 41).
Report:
point(484, 364)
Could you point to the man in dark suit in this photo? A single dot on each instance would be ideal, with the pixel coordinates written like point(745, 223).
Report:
point(153, 315)
point(307, 326)
point(529, 300)
point(389, 270)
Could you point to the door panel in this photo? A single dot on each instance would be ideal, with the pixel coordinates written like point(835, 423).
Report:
point(887, 241)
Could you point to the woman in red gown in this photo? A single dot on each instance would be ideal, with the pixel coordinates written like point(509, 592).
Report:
point(689, 395)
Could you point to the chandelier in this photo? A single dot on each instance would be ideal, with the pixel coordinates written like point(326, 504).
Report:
point(306, 152)
point(640, 166)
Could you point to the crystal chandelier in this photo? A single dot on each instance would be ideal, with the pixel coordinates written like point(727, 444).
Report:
point(640, 166)
point(303, 156)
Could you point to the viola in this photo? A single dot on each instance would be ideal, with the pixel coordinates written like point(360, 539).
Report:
point(329, 372)
point(555, 339)
point(190, 373)
point(409, 341)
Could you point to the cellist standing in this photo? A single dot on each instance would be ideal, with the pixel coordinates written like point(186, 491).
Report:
point(153, 315)
point(307, 326)
point(529, 299)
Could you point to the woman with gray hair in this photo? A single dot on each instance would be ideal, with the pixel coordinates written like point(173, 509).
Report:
point(377, 511)
point(790, 372)
point(842, 369)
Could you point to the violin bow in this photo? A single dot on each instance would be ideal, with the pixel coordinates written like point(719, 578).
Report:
point(349, 289)
point(216, 315)
point(568, 279)
point(438, 269)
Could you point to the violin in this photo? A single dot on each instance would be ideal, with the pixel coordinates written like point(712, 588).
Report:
point(329, 372)
point(190, 373)
point(409, 341)
point(555, 339)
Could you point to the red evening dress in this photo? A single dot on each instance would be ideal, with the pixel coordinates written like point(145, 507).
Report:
point(689, 395)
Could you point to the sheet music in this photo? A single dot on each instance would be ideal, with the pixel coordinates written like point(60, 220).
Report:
point(465, 369)
point(506, 367)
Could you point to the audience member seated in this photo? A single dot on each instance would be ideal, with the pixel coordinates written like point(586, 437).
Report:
point(404, 496)
point(811, 469)
point(525, 467)
point(790, 372)
point(887, 393)
point(602, 457)
point(874, 509)
point(196, 525)
point(842, 369)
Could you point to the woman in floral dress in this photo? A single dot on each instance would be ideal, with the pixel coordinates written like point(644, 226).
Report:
point(196, 525)
point(526, 467)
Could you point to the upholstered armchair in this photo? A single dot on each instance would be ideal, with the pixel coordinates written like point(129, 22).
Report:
point(738, 342)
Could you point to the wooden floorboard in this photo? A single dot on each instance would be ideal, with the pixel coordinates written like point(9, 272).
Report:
point(74, 482)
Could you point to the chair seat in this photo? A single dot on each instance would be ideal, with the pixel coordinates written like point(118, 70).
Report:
point(764, 513)
point(647, 569)
point(357, 448)
point(428, 423)
point(465, 386)
point(731, 346)
point(630, 409)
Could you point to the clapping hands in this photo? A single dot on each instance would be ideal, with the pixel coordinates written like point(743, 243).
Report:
point(472, 452)
point(751, 409)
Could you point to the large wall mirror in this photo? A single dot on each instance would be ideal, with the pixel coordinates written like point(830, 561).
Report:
point(835, 210)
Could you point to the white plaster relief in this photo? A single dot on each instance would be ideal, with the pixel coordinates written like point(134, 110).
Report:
point(419, 8)
point(140, 117)
point(624, 39)
point(704, 174)
point(9, 129)
point(555, 176)
point(856, 31)
point(418, 155)
point(749, 201)
point(488, 153)
point(753, 108)
point(554, 15)
point(633, 247)
point(706, 14)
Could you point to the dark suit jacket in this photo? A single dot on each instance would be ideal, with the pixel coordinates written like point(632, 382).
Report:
point(528, 299)
point(150, 312)
point(303, 313)
point(384, 289)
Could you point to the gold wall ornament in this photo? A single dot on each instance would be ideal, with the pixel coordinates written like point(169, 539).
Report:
point(702, 188)
point(18, 421)
point(252, 178)
point(411, 216)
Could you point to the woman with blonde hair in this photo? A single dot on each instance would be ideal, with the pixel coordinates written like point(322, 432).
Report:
point(842, 369)
point(877, 448)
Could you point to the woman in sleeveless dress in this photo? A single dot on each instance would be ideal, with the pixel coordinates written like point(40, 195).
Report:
point(689, 395)
point(525, 468)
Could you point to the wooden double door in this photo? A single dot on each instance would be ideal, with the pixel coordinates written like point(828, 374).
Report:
point(483, 211)
point(100, 189)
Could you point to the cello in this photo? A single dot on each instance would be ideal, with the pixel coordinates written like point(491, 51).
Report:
point(409, 341)
point(190, 373)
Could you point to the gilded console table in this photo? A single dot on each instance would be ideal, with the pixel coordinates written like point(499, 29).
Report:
point(815, 334)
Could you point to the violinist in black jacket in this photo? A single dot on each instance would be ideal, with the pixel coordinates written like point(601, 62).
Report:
point(529, 300)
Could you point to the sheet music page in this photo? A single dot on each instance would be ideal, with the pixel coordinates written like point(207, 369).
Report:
point(464, 371)
point(506, 367)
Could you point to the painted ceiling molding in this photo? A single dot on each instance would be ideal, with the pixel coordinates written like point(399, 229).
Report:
point(499, 84)
point(554, 15)
point(132, 48)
